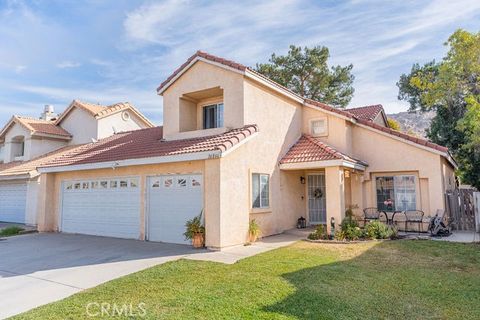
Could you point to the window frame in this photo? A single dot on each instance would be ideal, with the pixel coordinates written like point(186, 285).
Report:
point(397, 190)
point(218, 118)
point(261, 205)
point(324, 133)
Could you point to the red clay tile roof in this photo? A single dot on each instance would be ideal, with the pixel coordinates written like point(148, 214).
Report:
point(206, 56)
point(366, 112)
point(41, 126)
point(99, 111)
point(355, 115)
point(24, 167)
point(309, 149)
point(147, 143)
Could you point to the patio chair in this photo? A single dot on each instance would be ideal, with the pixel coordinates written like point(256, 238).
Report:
point(414, 216)
point(372, 214)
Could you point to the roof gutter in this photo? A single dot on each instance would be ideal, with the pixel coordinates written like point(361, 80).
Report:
point(23, 176)
point(215, 154)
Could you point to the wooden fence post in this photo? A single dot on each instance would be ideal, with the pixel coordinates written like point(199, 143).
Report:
point(476, 201)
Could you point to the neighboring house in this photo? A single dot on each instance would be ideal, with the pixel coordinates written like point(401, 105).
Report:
point(238, 146)
point(28, 142)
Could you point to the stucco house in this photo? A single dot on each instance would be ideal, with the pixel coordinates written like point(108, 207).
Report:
point(26, 143)
point(239, 146)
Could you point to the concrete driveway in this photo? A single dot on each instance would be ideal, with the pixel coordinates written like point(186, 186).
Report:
point(36, 269)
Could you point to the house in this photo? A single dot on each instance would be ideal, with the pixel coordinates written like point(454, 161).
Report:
point(28, 142)
point(238, 146)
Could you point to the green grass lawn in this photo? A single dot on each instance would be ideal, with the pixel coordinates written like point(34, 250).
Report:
point(385, 280)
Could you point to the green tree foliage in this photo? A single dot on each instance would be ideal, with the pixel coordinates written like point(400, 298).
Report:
point(305, 71)
point(393, 124)
point(452, 88)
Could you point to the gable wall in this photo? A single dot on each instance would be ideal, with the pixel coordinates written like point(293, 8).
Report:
point(105, 125)
point(203, 76)
point(81, 125)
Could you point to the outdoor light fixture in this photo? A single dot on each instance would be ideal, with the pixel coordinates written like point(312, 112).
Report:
point(302, 180)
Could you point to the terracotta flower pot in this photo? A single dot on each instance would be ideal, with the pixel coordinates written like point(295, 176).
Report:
point(198, 240)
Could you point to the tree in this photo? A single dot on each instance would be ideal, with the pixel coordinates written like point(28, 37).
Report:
point(393, 124)
point(451, 88)
point(305, 71)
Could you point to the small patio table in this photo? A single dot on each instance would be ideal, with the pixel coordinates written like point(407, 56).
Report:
point(390, 216)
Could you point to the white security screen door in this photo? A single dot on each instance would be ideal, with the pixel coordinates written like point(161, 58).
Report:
point(317, 213)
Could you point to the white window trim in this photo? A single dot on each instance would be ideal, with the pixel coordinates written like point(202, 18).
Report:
point(207, 103)
point(310, 127)
point(261, 208)
point(418, 200)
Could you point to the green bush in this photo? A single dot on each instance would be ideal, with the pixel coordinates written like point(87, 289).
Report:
point(379, 230)
point(349, 229)
point(320, 233)
point(10, 231)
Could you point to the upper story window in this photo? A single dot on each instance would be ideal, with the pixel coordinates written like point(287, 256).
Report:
point(213, 116)
point(318, 127)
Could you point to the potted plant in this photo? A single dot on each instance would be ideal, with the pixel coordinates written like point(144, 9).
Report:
point(195, 231)
point(253, 231)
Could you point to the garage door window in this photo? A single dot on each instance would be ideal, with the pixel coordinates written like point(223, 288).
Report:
point(168, 182)
point(113, 184)
point(134, 183)
point(182, 182)
point(123, 184)
point(85, 185)
point(195, 183)
point(104, 184)
point(77, 186)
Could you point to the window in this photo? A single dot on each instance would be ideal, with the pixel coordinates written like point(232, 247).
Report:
point(113, 183)
point(134, 183)
point(396, 193)
point(168, 182)
point(213, 116)
point(318, 127)
point(123, 184)
point(85, 185)
point(182, 182)
point(260, 190)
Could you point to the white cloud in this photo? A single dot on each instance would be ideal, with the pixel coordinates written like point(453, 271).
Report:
point(68, 64)
point(20, 68)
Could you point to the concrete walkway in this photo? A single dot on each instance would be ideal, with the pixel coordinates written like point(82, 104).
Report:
point(36, 269)
point(234, 254)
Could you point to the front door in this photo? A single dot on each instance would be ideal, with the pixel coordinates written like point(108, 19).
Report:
point(317, 213)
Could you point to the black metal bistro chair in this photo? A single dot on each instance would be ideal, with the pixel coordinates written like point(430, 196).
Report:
point(371, 214)
point(414, 216)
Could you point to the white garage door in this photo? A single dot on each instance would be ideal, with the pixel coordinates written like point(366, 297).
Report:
point(172, 200)
point(104, 207)
point(13, 197)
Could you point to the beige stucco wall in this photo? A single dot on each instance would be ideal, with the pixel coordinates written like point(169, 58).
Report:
point(203, 76)
point(81, 125)
point(40, 146)
point(339, 133)
point(386, 155)
point(10, 148)
point(106, 125)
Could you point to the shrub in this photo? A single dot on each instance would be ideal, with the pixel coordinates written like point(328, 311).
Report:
point(379, 230)
point(320, 233)
point(349, 229)
point(253, 228)
point(10, 231)
point(194, 226)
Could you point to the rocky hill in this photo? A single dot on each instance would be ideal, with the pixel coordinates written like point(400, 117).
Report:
point(416, 122)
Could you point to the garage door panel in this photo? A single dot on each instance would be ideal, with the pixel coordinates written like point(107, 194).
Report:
point(101, 207)
point(173, 200)
point(13, 198)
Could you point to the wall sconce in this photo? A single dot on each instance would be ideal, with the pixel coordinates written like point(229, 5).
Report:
point(302, 180)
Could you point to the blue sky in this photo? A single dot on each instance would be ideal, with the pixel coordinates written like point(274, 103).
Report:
point(52, 52)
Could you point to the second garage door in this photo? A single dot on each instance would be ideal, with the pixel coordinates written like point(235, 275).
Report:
point(104, 207)
point(172, 200)
point(13, 197)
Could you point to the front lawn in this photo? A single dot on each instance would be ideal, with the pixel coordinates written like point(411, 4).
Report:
point(10, 231)
point(385, 280)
